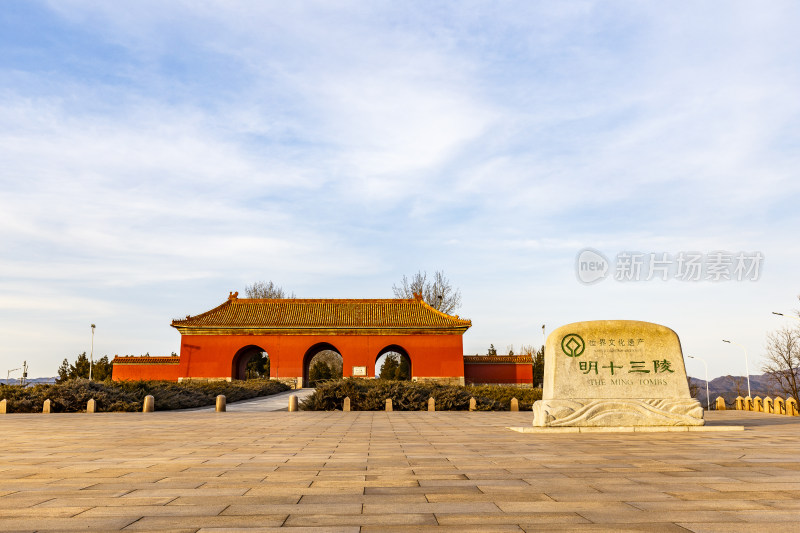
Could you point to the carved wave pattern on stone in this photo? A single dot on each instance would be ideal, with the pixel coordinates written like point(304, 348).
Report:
point(620, 412)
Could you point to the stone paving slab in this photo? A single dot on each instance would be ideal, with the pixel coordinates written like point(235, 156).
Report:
point(253, 471)
point(624, 429)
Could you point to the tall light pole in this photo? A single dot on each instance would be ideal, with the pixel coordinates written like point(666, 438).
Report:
point(544, 340)
point(91, 355)
point(708, 396)
point(787, 316)
point(8, 375)
point(746, 366)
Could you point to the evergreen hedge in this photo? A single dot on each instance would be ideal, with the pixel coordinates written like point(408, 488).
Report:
point(72, 395)
point(371, 395)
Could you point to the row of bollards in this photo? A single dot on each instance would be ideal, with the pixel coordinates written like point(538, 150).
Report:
point(149, 404)
point(91, 406)
point(776, 406)
point(473, 404)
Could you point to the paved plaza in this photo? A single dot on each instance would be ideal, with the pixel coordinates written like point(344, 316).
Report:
point(401, 471)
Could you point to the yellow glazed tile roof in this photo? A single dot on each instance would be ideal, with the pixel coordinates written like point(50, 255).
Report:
point(246, 313)
point(145, 359)
point(494, 359)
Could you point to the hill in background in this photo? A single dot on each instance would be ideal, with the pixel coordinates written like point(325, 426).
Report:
point(729, 387)
point(34, 381)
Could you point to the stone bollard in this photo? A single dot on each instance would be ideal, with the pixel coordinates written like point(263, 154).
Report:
point(739, 403)
point(748, 403)
point(780, 407)
point(91, 406)
point(388, 404)
point(292, 403)
point(46, 406)
point(3, 407)
point(149, 404)
point(472, 404)
point(768, 405)
point(791, 407)
point(221, 405)
point(758, 404)
point(431, 404)
point(720, 404)
point(514, 404)
point(346, 404)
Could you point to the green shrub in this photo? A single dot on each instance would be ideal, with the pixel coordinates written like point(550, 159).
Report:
point(371, 395)
point(72, 395)
point(503, 395)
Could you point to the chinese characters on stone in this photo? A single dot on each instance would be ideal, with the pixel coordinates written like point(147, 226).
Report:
point(615, 343)
point(661, 366)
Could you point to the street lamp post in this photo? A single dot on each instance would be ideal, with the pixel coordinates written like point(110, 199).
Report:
point(787, 316)
point(746, 366)
point(8, 375)
point(544, 339)
point(708, 396)
point(91, 355)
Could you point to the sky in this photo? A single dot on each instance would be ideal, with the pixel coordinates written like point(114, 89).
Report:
point(155, 156)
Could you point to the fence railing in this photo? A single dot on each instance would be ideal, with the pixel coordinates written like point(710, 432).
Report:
point(776, 406)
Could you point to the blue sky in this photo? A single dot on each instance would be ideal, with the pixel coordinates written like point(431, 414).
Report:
point(156, 155)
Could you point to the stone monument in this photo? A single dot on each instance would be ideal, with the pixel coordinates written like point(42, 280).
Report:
point(616, 373)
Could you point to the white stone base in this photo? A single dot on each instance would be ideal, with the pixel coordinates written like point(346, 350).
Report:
point(623, 429)
point(618, 412)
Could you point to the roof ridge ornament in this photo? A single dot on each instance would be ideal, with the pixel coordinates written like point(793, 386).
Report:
point(233, 295)
point(418, 296)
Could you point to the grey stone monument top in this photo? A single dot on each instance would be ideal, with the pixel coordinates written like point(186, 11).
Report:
point(615, 373)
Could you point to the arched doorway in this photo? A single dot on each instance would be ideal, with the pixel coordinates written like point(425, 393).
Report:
point(250, 362)
point(401, 369)
point(321, 362)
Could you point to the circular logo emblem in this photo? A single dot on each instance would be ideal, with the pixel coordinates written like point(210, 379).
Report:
point(573, 345)
point(591, 266)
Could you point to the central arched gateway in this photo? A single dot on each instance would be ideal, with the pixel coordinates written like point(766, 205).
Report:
point(218, 343)
point(311, 353)
point(244, 359)
point(393, 350)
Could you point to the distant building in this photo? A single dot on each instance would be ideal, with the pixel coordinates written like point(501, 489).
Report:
point(498, 370)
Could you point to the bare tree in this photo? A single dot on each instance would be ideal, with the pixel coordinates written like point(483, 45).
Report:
point(332, 359)
point(694, 388)
point(537, 358)
point(739, 386)
point(267, 290)
point(438, 292)
point(783, 360)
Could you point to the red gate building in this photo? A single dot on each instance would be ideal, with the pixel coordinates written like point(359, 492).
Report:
point(218, 344)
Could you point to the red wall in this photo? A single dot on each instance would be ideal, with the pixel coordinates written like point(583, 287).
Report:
point(498, 373)
point(145, 371)
point(212, 356)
